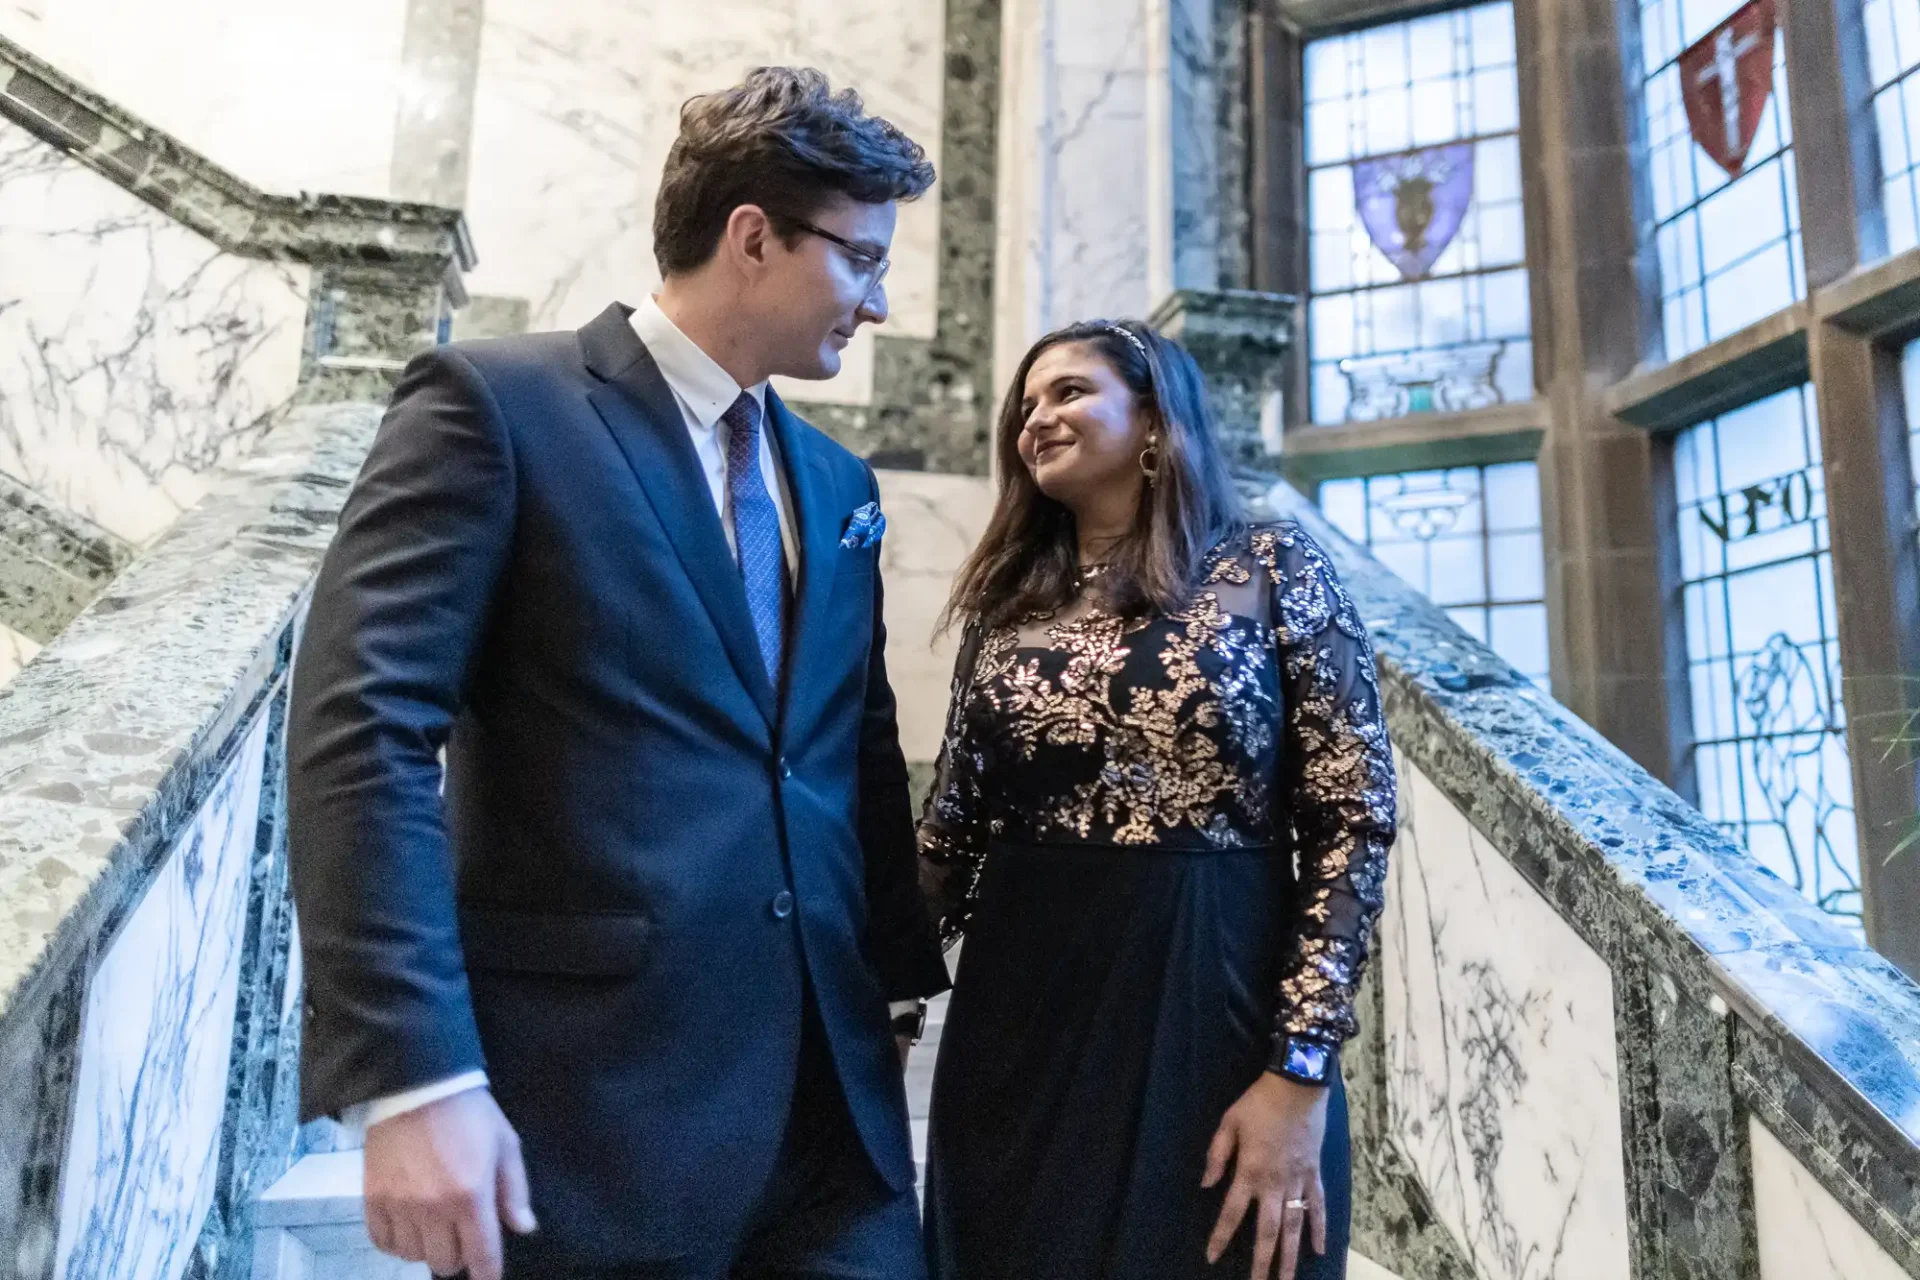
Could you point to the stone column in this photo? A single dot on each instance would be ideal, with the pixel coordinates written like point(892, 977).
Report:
point(1201, 245)
point(1071, 214)
point(1183, 129)
point(1863, 441)
point(1241, 340)
point(1618, 651)
point(433, 128)
point(365, 322)
point(1125, 150)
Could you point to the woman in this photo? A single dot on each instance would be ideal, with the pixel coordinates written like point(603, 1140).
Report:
point(1158, 711)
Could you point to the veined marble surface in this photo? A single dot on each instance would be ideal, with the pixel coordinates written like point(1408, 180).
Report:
point(933, 522)
point(1073, 190)
point(155, 1047)
point(292, 97)
point(1827, 1032)
point(576, 107)
point(101, 734)
point(1500, 1057)
point(1804, 1232)
point(139, 356)
point(16, 651)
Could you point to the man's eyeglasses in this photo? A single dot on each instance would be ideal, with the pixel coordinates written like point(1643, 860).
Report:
point(874, 265)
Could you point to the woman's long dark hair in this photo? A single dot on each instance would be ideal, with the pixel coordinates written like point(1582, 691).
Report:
point(1027, 560)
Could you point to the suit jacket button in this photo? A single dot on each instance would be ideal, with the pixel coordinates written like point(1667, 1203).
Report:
point(782, 905)
point(786, 770)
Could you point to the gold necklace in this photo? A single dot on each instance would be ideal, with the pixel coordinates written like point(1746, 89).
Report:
point(1087, 573)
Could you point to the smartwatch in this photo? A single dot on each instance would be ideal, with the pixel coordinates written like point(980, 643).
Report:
point(912, 1023)
point(1304, 1061)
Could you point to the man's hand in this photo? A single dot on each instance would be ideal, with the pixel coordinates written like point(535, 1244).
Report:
point(439, 1182)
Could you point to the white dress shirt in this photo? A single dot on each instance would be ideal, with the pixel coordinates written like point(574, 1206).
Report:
point(704, 391)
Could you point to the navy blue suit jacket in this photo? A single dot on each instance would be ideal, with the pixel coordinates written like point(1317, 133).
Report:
point(647, 852)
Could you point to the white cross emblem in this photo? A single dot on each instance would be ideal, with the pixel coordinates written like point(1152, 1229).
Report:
point(1727, 53)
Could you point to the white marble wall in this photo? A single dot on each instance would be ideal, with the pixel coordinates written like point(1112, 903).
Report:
point(1805, 1234)
point(933, 522)
point(1074, 214)
point(1501, 1069)
point(155, 1044)
point(134, 355)
point(577, 104)
point(1360, 1268)
point(16, 651)
point(289, 96)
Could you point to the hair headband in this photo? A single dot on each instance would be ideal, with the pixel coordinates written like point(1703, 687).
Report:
point(1128, 334)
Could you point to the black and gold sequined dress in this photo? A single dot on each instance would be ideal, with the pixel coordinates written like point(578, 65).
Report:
point(1115, 828)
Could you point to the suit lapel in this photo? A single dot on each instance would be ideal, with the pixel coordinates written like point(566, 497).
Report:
point(817, 526)
point(639, 409)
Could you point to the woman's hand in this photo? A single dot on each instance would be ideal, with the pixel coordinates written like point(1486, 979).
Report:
point(1273, 1136)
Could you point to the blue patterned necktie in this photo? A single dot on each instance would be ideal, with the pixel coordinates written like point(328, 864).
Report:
point(756, 532)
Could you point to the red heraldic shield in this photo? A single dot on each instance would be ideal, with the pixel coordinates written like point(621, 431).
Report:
point(1725, 80)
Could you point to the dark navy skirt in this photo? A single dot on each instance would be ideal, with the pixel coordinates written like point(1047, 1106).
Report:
point(1111, 1003)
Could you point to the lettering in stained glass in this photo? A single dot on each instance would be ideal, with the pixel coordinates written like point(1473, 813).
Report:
point(1769, 724)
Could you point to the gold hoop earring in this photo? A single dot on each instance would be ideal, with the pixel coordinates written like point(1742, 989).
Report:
point(1152, 473)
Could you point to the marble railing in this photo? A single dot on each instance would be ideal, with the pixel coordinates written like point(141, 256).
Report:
point(148, 990)
point(1600, 1041)
point(158, 315)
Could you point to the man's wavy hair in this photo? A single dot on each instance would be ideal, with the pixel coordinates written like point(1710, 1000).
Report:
point(783, 140)
point(1027, 559)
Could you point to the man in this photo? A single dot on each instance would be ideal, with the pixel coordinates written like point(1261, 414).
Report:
point(650, 939)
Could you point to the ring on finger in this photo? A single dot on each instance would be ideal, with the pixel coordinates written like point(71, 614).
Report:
point(1294, 1204)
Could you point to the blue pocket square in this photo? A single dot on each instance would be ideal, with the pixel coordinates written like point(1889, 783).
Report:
point(864, 528)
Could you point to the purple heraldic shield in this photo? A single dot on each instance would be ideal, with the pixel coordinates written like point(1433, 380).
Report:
point(1411, 203)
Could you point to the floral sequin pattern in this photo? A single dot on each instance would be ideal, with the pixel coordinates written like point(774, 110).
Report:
point(1127, 727)
point(1250, 718)
point(1338, 783)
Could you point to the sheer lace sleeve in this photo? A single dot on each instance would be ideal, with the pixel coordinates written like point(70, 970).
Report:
point(1337, 787)
point(953, 827)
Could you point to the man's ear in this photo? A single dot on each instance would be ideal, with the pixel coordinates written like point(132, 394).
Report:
point(749, 236)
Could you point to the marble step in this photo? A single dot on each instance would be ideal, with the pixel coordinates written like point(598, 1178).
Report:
point(52, 562)
point(309, 1226)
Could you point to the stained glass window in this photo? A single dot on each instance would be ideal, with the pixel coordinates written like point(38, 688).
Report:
point(1893, 53)
point(1469, 538)
point(1910, 379)
point(1417, 266)
point(1728, 240)
point(1770, 748)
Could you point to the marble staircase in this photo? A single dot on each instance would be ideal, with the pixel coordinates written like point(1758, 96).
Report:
point(52, 564)
point(1584, 999)
point(165, 315)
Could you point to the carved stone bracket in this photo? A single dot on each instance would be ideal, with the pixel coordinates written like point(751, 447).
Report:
point(1240, 339)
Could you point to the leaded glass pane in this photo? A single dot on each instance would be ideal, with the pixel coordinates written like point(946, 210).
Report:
point(1728, 244)
point(1416, 254)
point(1910, 376)
point(1763, 653)
point(1893, 54)
point(1469, 538)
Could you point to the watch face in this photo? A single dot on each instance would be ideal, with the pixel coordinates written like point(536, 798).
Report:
point(1306, 1060)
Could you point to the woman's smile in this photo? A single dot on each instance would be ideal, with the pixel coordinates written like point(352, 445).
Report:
point(1050, 449)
